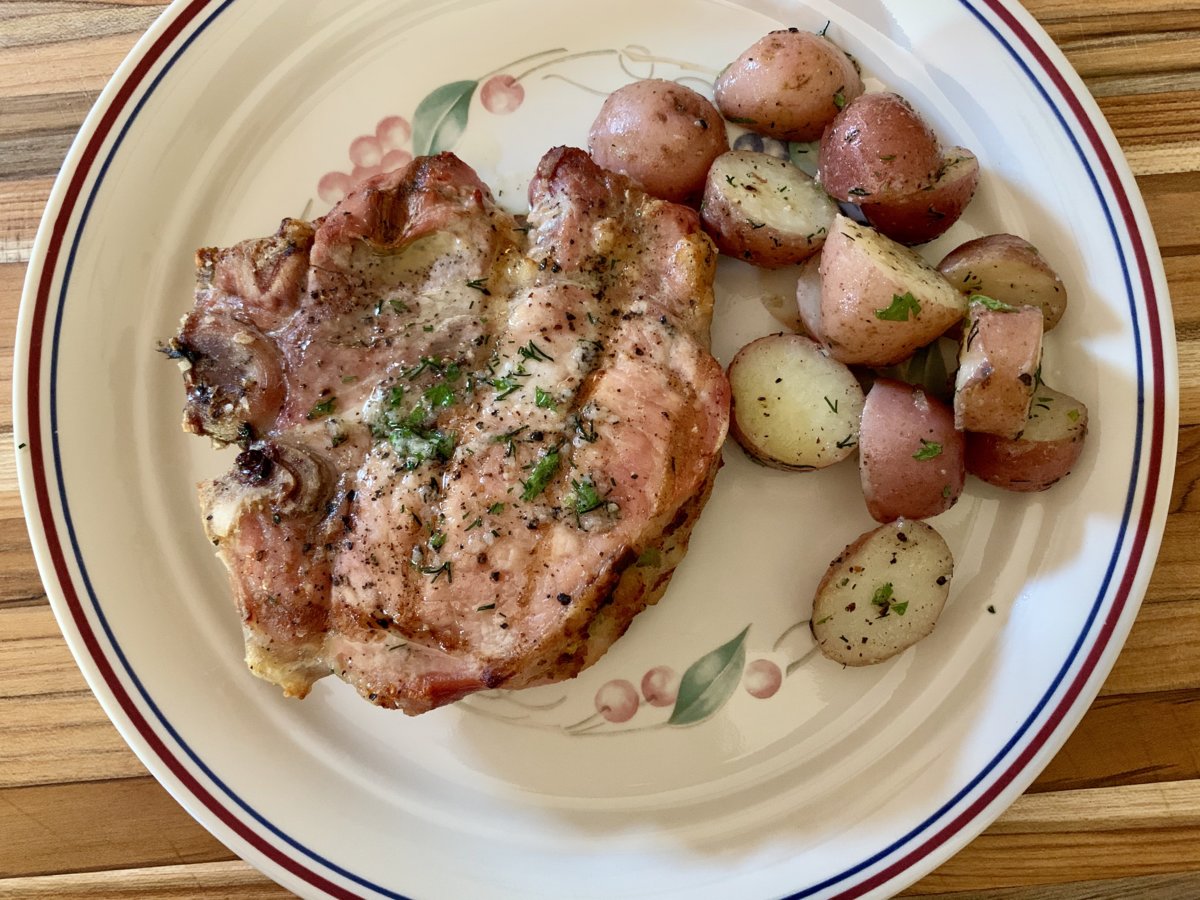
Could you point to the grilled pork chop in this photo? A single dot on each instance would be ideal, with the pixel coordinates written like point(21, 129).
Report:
point(473, 449)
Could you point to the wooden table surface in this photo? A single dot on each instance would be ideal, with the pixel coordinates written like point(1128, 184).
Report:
point(1116, 814)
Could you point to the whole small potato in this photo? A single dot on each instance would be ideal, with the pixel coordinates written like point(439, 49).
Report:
point(878, 148)
point(1045, 451)
point(928, 213)
point(1007, 268)
point(910, 457)
point(662, 135)
point(764, 210)
point(789, 85)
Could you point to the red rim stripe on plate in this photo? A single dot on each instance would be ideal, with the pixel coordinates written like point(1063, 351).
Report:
point(45, 510)
point(1157, 427)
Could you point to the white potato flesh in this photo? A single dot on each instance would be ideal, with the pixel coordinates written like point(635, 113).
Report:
point(793, 407)
point(765, 210)
point(882, 594)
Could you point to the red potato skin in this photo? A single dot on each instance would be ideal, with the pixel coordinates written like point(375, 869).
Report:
point(962, 265)
point(662, 135)
point(1021, 465)
point(763, 91)
point(927, 214)
point(896, 484)
point(997, 397)
point(878, 148)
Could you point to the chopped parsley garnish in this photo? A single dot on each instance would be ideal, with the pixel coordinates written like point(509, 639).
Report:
point(509, 438)
point(929, 450)
point(414, 445)
point(322, 409)
point(437, 540)
point(946, 491)
point(543, 470)
point(427, 328)
point(902, 305)
point(543, 399)
point(395, 396)
point(729, 178)
point(883, 599)
point(900, 608)
point(349, 379)
point(398, 306)
point(495, 509)
point(480, 284)
point(839, 100)
point(485, 606)
point(991, 303)
point(584, 496)
point(504, 386)
point(475, 524)
point(436, 571)
point(439, 396)
point(534, 352)
point(847, 441)
point(585, 429)
point(1073, 415)
point(832, 404)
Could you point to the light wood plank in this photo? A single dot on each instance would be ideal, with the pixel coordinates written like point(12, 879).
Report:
point(52, 730)
point(127, 824)
point(1148, 887)
point(55, 26)
point(233, 880)
point(1162, 652)
point(1072, 836)
point(1129, 739)
point(23, 202)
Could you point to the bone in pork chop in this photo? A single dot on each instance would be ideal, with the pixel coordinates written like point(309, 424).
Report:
point(472, 449)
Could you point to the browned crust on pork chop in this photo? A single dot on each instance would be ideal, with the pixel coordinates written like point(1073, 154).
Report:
point(472, 449)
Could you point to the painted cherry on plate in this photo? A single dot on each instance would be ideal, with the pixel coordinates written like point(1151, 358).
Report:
point(501, 94)
point(617, 700)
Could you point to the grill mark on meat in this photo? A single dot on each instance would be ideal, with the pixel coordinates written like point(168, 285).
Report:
point(460, 385)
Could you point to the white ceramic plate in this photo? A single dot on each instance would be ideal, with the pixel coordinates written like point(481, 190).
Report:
point(231, 114)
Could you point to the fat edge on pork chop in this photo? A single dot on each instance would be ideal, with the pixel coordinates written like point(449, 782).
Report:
point(472, 448)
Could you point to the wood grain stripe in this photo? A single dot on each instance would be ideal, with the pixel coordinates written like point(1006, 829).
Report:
point(234, 880)
point(52, 829)
point(46, 25)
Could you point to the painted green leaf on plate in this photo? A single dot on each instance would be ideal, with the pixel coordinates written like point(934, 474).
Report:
point(709, 682)
point(441, 117)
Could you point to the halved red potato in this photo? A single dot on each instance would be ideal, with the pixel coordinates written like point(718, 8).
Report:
point(882, 594)
point(1010, 269)
point(878, 148)
point(793, 407)
point(661, 134)
point(788, 85)
point(926, 214)
point(764, 210)
point(998, 363)
point(879, 300)
point(1045, 451)
point(910, 457)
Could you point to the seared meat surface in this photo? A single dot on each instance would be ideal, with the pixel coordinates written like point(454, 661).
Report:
point(472, 449)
